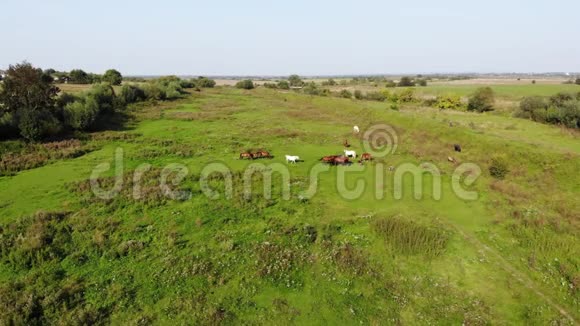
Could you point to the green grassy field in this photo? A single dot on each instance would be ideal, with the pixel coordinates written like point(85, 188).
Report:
point(509, 257)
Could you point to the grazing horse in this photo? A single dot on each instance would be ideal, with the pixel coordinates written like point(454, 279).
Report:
point(341, 160)
point(328, 159)
point(260, 154)
point(350, 153)
point(457, 148)
point(292, 159)
point(346, 144)
point(247, 155)
point(355, 129)
point(366, 157)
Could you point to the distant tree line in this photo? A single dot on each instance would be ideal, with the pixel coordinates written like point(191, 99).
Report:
point(32, 108)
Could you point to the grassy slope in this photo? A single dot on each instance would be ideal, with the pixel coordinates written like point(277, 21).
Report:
point(484, 273)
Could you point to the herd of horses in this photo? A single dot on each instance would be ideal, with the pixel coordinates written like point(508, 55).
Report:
point(342, 159)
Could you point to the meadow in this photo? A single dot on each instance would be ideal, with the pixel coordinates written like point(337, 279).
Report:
point(508, 257)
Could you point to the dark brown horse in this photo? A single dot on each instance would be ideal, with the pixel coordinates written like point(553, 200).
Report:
point(247, 155)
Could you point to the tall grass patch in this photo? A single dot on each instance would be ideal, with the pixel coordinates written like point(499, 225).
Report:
point(411, 238)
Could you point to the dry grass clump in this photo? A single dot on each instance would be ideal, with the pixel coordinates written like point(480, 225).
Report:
point(412, 238)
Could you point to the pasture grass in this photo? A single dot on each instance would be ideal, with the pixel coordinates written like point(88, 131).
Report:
point(326, 260)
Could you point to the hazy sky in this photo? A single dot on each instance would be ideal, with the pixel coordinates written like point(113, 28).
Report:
point(251, 37)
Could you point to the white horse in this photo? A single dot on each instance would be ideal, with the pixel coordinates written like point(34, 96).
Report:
point(292, 159)
point(355, 129)
point(348, 153)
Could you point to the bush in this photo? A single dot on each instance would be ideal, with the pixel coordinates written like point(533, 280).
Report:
point(407, 95)
point(358, 95)
point(422, 82)
point(448, 102)
point(78, 76)
point(204, 82)
point(245, 84)
point(498, 168)
point(271, 85)
point(104, 96)
point(283, 84)
point(390, 84)
point(560, 99)
point(29, 124)
point(311, 89)
point(81, 114)
point(482, 100)
point(375, 96)
point(132, 94)
point(345, 93)
point(406, 82)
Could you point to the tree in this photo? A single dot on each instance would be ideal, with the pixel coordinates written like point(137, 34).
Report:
point(295, 80)
point(27, 87)
point(245, 84)
point(78, 76)
point(406, 82)
point(112, 77)
point(482, 100)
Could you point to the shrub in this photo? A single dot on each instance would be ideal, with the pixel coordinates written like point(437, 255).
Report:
point(104, 96)
point(407, 95)
point(311, 89)
point(375, 96)
point(422, 82)
point(498, 168)
point(245, 84)
point(204, 82)
point(390, 84)
point(153, 91)
point(406, 82)
point(560, 99)
point(132, 94)
point(482, 100)
point(270, 85)
point(81, 114)
point(345, 93)
point(283, 84)
point(448, 101)
point(358, 95)
point(29, 124)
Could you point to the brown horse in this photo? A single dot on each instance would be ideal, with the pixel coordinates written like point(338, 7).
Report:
point(261, 154)
point(343, 160)
point(328, 159)
point(247, 155)
point(366, 157)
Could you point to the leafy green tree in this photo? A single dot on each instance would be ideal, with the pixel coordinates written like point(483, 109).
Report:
point(27, 87)
point(482, 100)
point(295, 80)
point(245, 84)
point(112, 77)
point(78, 76)
point(81, 114)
